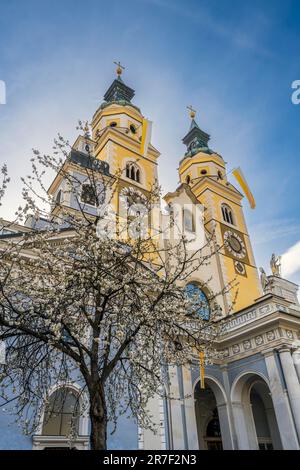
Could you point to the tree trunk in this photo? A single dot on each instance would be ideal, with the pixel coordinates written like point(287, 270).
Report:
point(98, 417)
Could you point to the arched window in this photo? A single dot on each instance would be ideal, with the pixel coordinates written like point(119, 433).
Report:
point(58, 197)
point(88, 195)
point(188, 221)
point(137, 175)
point(132, 128)
point(227, 214)
point(133, 172)
point(199, 301)
point(61, 413)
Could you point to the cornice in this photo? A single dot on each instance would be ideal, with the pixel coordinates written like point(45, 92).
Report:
point(116, 137)
point(207, 183)
point(117, 112)
point(263, 327)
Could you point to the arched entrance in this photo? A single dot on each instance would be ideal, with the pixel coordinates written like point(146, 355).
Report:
point(212, 421)
point(254, 414)
point(213, 437)
point(266, 428)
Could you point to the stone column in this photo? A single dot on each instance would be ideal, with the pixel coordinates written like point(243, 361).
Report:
point(150, 439)
point(292, 383)
point(288, 434)
point(296, 359)
point(233, 434)
point(238, 411)
point(190, 413)
point(176, 410)
point(273, 426)
point(225, 427)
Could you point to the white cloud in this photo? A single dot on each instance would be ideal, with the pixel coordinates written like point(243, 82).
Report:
point(245, 34)
point(274, 229)
point(291, 260)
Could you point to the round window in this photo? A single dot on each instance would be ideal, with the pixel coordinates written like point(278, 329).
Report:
point(132, 128)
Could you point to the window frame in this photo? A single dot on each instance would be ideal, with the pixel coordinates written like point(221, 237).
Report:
point(58, 197)
point(80, 197)
point(133, 167)
point(207, 315)
point(79, 442)
point(228, 214)
point(61, 413)
point(184, 218)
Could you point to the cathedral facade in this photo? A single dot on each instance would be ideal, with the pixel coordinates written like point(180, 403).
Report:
point(251, 398)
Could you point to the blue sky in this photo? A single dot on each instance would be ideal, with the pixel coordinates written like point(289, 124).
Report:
point(233, 61)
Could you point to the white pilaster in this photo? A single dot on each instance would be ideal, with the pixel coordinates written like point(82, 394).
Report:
point(233, 433)
point(282, 408)
point(296, 359)
point(225, 426)
point(240, 425)
point(176, 405)
point(292, 384)
point(190, 414)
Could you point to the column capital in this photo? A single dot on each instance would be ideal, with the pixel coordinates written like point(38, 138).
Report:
point(222, 405)
point(238, 404)
point(268, 352)
point(284, 348)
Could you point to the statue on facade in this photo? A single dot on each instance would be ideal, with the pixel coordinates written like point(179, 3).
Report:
point(275, 264)
point(264, 279)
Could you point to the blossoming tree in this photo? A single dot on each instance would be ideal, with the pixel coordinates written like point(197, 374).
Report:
point(78, 305)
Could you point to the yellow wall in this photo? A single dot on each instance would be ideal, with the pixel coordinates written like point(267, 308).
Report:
point(118, 145)
point(212, 193)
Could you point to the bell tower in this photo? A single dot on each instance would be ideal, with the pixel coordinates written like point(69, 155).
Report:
point(205, 171)
point(117, 128)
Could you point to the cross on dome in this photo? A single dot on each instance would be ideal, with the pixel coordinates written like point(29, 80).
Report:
point(192, 111)
point(120, 68)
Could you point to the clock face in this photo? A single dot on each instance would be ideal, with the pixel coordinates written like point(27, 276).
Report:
point(240, 268)
point(234, 244)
